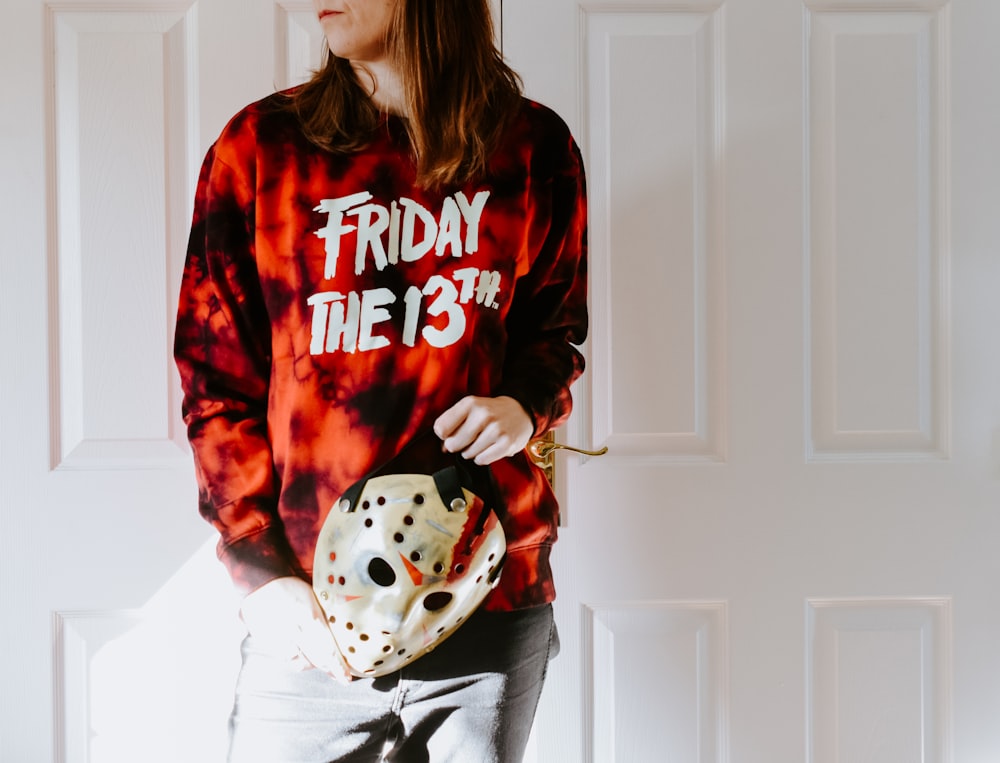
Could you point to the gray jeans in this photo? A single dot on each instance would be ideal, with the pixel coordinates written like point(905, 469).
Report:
point(471, 700)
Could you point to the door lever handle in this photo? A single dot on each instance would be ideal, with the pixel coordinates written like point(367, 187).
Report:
point(542, 451)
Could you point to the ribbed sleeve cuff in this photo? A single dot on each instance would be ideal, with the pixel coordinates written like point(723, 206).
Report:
point(257, 559)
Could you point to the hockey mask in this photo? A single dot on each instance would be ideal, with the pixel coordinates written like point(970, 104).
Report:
point(402, 561)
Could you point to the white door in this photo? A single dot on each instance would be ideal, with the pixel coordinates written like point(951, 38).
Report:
point(786, 554)
point(789, 552)
point(118, 640)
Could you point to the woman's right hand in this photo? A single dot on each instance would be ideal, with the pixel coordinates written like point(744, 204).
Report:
point(285, 620)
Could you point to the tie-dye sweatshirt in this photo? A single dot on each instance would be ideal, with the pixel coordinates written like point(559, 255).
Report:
point(331, 310)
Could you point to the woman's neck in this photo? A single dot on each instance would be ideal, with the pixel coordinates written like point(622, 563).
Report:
point(383, 84)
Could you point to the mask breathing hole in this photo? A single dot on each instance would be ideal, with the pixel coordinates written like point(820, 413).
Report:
point(381, 572)
point(437, 601)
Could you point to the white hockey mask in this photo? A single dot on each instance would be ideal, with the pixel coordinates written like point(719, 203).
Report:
point(402, 561)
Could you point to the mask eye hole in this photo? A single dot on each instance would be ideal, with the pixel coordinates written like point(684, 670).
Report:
point(437, 601)
point(381, 572)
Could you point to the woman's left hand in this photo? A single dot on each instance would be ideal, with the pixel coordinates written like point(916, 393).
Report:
point(484, 429)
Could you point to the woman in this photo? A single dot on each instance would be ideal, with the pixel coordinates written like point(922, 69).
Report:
point(394, 248)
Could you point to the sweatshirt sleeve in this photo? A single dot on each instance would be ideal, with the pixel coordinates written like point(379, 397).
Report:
point(548, 316)
point(222, 351)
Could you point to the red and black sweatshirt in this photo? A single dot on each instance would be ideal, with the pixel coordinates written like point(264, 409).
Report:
point(331, 310)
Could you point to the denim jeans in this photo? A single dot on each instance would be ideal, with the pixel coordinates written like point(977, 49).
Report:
point(471, 700)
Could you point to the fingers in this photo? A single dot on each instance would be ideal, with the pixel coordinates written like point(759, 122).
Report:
point(490, 444)
point(286, 621)
point(484, 429)
point(448, 425)
point(318, 647)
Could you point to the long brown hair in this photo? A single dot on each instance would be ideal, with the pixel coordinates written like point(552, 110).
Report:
point(460, 94)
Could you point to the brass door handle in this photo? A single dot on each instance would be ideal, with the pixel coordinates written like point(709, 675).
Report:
point(542, 451)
